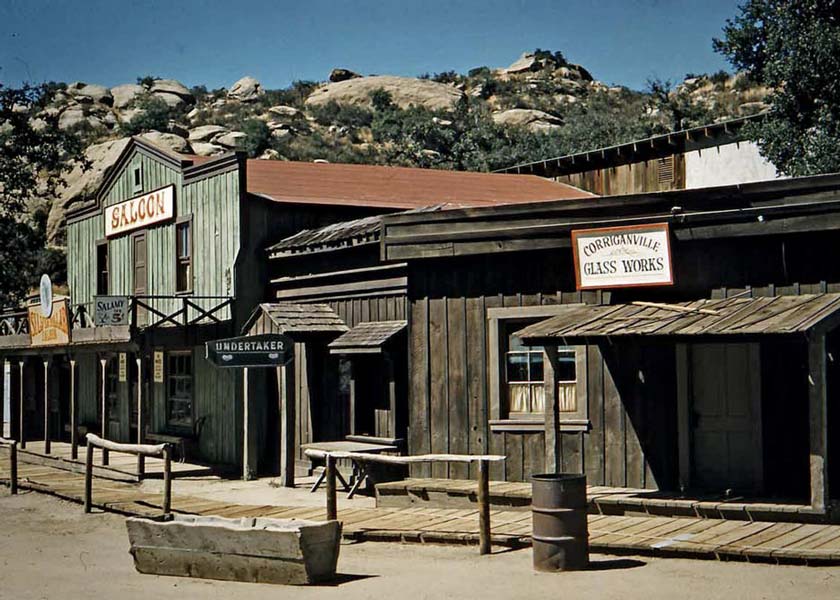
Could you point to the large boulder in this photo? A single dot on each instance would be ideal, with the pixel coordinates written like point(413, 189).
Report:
point(206, 132)
point(169, 141)
point(207, 149)
point(287, 112)
point(171, 100)
point(524, 64)
point(71, 117)
point(89, 92)
point(535, 120)
point(125, 94)
point(404, 91)
point(170, 86)
point(233, 139)
point(246, 89)
point(81, 184)
point(339, 74)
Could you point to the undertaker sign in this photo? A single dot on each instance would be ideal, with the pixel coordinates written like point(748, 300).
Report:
point(267, 350)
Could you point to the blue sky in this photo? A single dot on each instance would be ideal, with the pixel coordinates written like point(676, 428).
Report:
point(214, 42)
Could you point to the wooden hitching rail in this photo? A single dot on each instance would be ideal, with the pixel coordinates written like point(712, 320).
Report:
point(483, 480)
point(13, 463)
point(157, 451)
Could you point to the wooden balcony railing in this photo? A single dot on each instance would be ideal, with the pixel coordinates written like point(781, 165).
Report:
point(145, 313)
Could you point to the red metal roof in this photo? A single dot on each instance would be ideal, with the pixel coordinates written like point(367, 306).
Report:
point(396, 187)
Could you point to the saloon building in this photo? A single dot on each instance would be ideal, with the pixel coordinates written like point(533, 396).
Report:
point(170, 254)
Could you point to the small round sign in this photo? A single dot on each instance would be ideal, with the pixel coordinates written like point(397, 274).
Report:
point(46, 296)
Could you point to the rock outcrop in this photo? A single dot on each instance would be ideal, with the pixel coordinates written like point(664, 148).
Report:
point(535, 120)
point(246, 89)
point(340, 74)
point(125, 94)
point(405, 91)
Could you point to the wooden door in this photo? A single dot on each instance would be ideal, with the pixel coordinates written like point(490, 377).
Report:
point(140, 272)
point(726, 417)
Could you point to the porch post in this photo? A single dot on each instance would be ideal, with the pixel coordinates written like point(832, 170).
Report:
point(246, 462)
point(287, 411)
point(20, 413)
point(47, 447)
point(141, 460)
point(552, 441)
point(74, 418)
point(352, 415)
point(103, 362)
point(818, 409)
point(3, 400)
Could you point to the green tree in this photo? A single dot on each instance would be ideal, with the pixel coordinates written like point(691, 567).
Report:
point(154, 115)
point(793, 47)
point(34, 156)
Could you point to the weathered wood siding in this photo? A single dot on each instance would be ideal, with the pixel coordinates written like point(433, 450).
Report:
point(214, 204)
point(629, 178)
point(449, 400)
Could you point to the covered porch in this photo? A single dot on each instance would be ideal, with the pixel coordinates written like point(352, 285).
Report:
point(745, 392)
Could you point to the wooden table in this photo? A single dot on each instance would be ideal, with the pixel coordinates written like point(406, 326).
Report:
point(360, 469)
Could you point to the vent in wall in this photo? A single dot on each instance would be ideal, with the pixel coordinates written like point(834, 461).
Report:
point(665, 169)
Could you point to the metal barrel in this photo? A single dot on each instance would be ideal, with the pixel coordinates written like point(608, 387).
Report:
point(560, 530)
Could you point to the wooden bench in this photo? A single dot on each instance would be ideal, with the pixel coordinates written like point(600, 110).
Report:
point(183, 444)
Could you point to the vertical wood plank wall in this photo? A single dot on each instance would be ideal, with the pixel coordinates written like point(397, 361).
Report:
point(448, 382)
point(631, 178)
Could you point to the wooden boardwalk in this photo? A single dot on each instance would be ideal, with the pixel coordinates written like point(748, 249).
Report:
point(662, 536)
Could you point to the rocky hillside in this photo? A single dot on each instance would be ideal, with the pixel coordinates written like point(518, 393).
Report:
point(539, 106)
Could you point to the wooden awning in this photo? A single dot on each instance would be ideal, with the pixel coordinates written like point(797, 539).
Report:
point(295, 319)
point(366, 338)
point(737, 316)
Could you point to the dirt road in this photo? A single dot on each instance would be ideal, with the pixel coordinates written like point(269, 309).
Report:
point(49, 549)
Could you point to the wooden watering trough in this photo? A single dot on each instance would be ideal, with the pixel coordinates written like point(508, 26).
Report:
point(288, 551)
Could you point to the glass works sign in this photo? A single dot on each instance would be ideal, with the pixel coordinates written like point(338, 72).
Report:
point(266, 350)
point(614, 257)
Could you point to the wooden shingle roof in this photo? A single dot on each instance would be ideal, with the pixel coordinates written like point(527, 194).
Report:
point(727, 317)
point(366, 337)
point(292, 318)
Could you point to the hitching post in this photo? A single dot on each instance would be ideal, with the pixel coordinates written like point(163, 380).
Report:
point(483, 507)
point(332, 500)
point(88, 476)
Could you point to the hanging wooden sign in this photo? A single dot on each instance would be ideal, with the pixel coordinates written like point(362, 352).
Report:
point(141, 211)
point(111, 311)
point(614, 257)
point(53, 330)
point(158, 366)
point(267, 350)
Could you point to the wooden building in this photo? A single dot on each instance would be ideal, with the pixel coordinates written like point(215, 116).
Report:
point(718, 377)
point(710, 155)
point(170, 253)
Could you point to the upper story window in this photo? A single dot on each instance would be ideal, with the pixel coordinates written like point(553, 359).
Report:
point(183, 255)
point(102, 268)
point(137, 179)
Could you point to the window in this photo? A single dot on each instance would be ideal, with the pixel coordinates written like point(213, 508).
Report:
point(102, 268)
point(183, 251)
point(524, 375)
point(665, 169)
point(179, 390)
point(137, 179)
point(518, 375)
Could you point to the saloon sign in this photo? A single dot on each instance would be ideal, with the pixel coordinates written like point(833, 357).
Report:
point(111, 311)
point(141, 211)
point(53, 330)
point(622, 256)
point(267, 350)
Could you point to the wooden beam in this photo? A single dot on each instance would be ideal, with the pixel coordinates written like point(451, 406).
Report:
point(2, 400)
point(332, 497)
point(392, 395)
point(352, 400)
point(47, 447)
point(818, 409)
point(103, 363)
point(484, 533)
point(22, 407)
point(74, 413)
point(552, 437)
point(141, 460)
point(287, 435)
point(683, 416)
point(246, 430)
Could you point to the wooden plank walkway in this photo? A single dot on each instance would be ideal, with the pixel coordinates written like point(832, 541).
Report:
point(658, 536)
